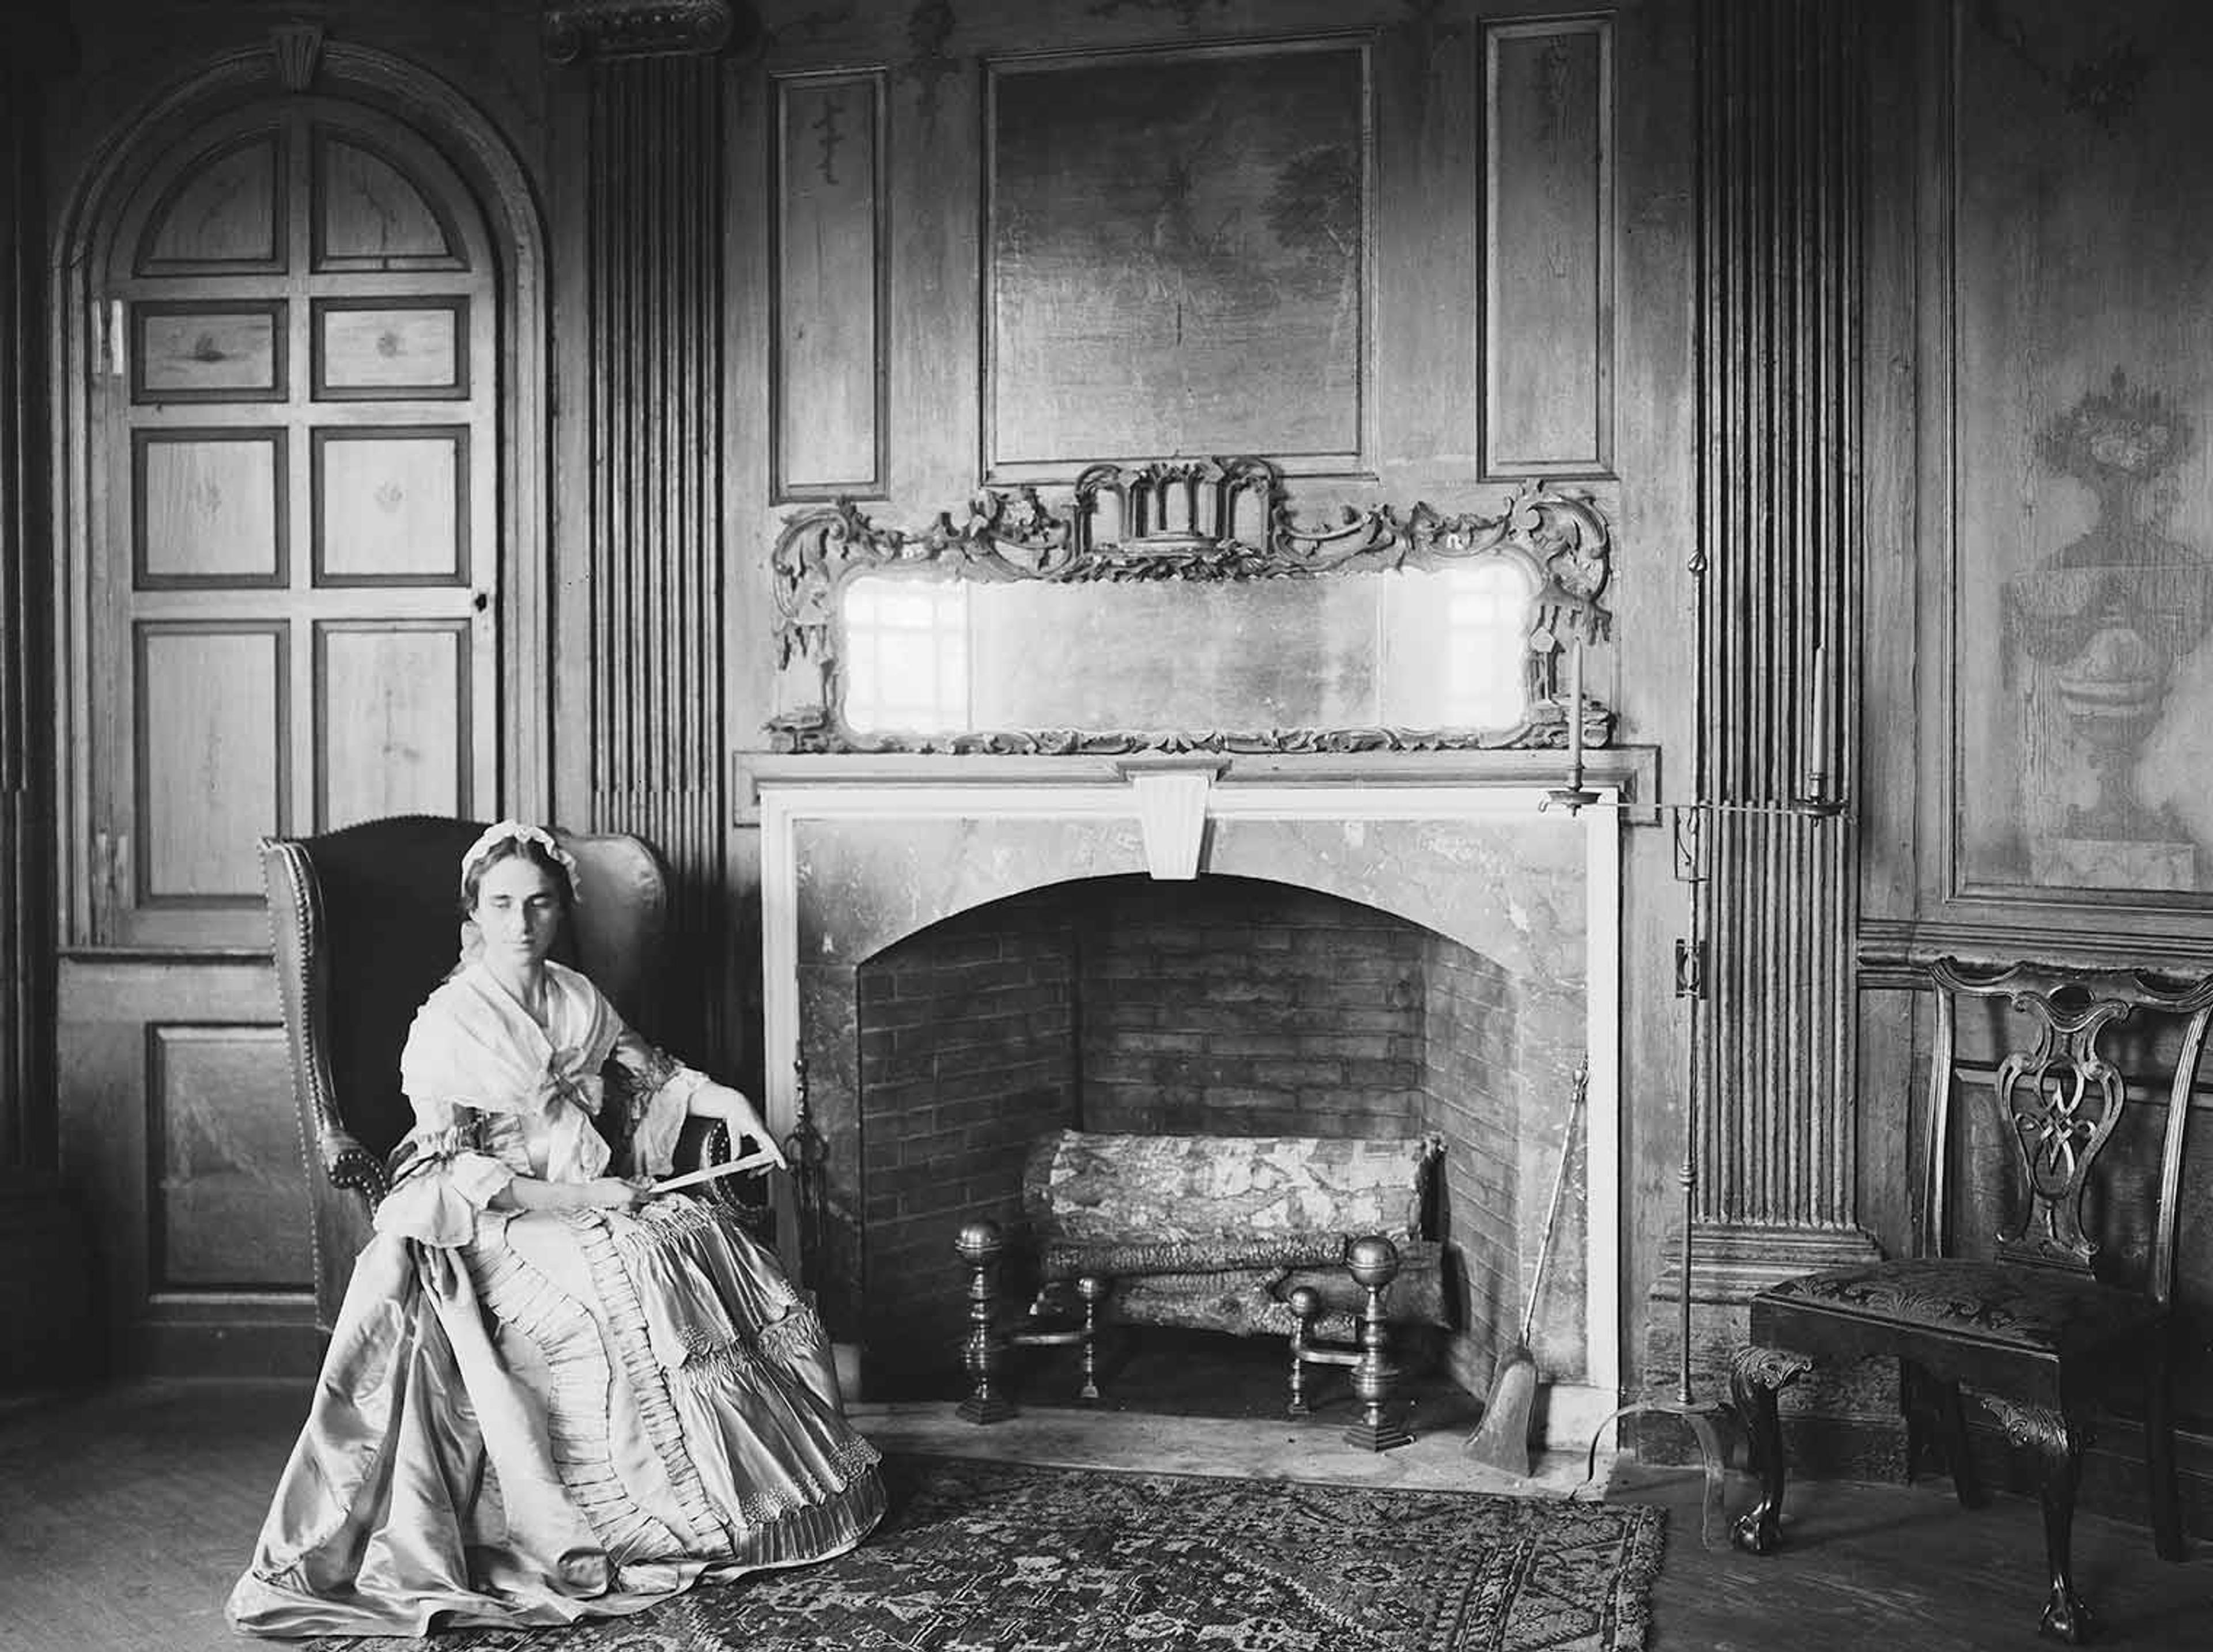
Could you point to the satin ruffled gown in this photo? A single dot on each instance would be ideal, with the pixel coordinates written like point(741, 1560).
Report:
point(527, 1419)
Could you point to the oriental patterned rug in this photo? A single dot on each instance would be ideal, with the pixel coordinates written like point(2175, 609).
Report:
point(992, 1557)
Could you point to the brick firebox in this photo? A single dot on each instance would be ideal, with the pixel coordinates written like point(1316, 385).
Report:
point(969, 953)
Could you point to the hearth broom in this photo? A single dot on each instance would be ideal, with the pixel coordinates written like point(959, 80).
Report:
point(1501, 1440)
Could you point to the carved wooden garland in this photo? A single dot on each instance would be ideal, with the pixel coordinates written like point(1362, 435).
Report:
point(1202, 520)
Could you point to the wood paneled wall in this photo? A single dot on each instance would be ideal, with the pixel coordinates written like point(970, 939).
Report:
point(2038, 316)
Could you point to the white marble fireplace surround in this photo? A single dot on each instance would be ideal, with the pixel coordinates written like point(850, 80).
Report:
point(858, 851)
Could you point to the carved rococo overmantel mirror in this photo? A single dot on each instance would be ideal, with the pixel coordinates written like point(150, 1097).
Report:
point(1180, 605)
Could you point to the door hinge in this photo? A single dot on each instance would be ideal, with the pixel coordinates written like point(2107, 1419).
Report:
point(1690, 969)
point(115, 347)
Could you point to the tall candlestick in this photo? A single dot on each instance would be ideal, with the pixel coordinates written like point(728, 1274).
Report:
point(1817, 729)
point(1576, 709)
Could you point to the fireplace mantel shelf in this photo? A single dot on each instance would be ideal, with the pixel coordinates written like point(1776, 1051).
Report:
point(1631, 772)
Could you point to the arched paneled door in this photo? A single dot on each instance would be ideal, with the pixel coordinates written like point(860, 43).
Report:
point(294, 595)
point(300, 457)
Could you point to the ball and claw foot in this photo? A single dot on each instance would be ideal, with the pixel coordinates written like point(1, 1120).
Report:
point(2066, 1619)
point(1757, 1532)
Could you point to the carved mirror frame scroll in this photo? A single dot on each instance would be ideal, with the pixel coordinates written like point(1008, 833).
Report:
point(1198, 521)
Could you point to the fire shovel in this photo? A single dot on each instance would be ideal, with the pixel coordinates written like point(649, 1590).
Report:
point(1501, 1440)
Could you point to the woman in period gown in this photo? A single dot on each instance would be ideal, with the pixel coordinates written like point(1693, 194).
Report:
point(549, 1394)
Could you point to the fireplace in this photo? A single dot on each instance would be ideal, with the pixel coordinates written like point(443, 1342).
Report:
point(969, 952)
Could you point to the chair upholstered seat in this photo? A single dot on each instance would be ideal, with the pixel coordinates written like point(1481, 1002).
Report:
point(1990, 1301)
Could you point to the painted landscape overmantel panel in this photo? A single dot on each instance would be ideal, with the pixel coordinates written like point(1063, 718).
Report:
point(1183, 605)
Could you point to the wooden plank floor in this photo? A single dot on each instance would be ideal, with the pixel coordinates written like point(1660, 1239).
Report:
point(125, 1516)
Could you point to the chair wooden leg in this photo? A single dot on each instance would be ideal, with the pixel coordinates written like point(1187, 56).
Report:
point(1952, 1423)
point(2159, 1451)
point(2065, 1617)
point(1756, 1376)
point(2058, 1442)
point(1916, 1388)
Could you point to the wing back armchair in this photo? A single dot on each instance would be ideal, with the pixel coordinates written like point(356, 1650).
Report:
point(366, 921)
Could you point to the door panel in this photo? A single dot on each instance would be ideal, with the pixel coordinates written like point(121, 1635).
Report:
point(369, 216)
point(391, 507)
point(225, 213)
point(309, 307)
point(214, 782)
point(393, 699)
point(197, 350)
point(208, 509)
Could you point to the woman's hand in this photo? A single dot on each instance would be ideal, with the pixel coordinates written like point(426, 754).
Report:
point(712, 1100)
point(615, 1192)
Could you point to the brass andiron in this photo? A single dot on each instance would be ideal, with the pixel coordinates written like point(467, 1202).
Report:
point(1372, 1262)
point(980, 1245)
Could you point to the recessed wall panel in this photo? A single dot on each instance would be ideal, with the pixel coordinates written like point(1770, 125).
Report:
point(225, 216)
point(229, 1191)
point(390, 349)
point(208, 351)
point(1547, 263)
point(209, 507)
point(391, 506)
point(370, 215)
point(829, 336)
point(391, 704)
point(1176, 258)
point(212, 757)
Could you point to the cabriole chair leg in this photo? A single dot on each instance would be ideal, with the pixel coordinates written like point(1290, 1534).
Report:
point(1756, 1376)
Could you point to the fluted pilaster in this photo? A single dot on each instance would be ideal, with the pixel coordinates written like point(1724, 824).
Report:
point(1782, 111)
point(654, 255)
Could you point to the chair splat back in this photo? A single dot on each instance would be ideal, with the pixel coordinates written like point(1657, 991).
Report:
point(2060, 1100)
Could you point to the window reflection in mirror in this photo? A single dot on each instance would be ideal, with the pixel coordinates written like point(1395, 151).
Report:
point(1484, 649)
point(1424, 649)
point(906, 654)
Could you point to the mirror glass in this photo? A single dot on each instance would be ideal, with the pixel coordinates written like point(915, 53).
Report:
point(924, 654)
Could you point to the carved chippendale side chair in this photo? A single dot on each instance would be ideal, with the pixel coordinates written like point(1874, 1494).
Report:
point(366, 921)
point(2067, 1304)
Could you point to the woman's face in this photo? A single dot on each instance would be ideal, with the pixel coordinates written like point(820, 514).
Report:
point(518, 909)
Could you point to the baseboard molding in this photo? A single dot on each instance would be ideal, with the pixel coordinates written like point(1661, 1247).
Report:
point(246, 1336)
